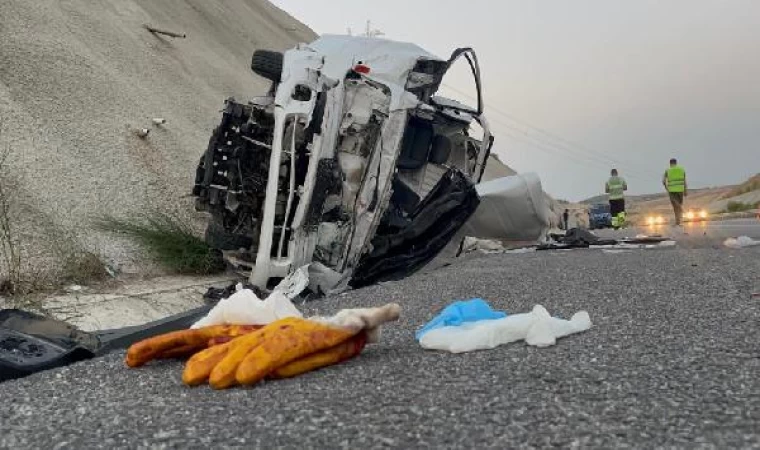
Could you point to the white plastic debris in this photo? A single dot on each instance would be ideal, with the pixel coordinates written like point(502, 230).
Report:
point(245, 308)
point(628, 246)
point(517, 251)
point(740, 242)
point(159, 121)
point(490, 246)
point(537, 328)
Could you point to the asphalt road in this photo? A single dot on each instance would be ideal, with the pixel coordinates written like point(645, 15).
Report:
point(672, 360)
point(709, 234)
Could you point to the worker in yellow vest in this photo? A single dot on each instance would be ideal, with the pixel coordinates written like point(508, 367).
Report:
point(615, 188)
point(674, 181)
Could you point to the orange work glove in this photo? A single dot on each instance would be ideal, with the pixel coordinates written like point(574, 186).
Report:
point(183, 343)
point(251, 358)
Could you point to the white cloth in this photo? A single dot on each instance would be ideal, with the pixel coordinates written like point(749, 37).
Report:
point(740, 242)
point(245, 308)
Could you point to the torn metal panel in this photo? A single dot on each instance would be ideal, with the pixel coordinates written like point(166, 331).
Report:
point(511, 208)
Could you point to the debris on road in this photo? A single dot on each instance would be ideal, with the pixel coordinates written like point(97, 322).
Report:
point(627, 245)
point(579, 238)
point(615, 251)
point(489, 246)
point(31, 343)
point(538, 328)
point(575, 238)
point(740, 242)
point(281, 349)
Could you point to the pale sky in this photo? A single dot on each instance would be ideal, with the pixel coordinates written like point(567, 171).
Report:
point(574, 88)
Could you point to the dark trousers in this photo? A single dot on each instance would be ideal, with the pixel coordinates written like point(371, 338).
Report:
point(676, 199)
point(617, 206)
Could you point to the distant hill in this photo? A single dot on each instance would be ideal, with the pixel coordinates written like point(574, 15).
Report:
point(602, 198)
point(753, 184)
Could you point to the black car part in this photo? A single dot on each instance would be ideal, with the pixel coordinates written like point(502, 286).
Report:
point(30, 343)
point(404, 243)
point(230, 181)
point(268, 64)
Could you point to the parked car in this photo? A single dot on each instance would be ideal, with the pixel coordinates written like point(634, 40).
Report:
point(350, 163)
point(695, 215)
point(599, 216)
point(654, 220)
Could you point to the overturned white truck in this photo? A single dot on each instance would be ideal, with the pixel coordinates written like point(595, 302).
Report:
point(350, 164)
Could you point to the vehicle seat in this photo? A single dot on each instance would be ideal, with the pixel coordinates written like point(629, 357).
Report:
point(415, 147)
point(441, 149)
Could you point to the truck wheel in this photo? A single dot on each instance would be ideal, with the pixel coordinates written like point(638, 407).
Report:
point(219, 238)
point(268, 64)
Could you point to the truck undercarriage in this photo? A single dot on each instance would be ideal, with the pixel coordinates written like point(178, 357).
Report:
point(333, 172)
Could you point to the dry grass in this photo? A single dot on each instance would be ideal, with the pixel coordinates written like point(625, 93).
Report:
point(19, 277)
point(170, 240)
point(77, 264)
point(10, 267)
point(740, 206)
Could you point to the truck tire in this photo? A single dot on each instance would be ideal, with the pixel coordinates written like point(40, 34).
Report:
point(268, 64)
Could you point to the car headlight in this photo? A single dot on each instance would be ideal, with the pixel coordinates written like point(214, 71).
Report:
point(690, 215)
point(660, 220)
point(650, 220)
point(703, 214)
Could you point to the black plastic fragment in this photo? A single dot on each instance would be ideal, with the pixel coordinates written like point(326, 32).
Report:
point(398, 253)
point(31, 343)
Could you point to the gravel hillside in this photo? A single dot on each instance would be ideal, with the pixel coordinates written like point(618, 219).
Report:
point(77, 77)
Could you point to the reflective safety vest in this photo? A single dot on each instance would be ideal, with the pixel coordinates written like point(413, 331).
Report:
point(615, 185)
point(676, 179)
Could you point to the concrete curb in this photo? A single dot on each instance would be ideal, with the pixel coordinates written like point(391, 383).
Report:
point(133, 304)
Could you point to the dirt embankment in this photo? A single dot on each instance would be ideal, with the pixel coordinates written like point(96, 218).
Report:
point(78, 77)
